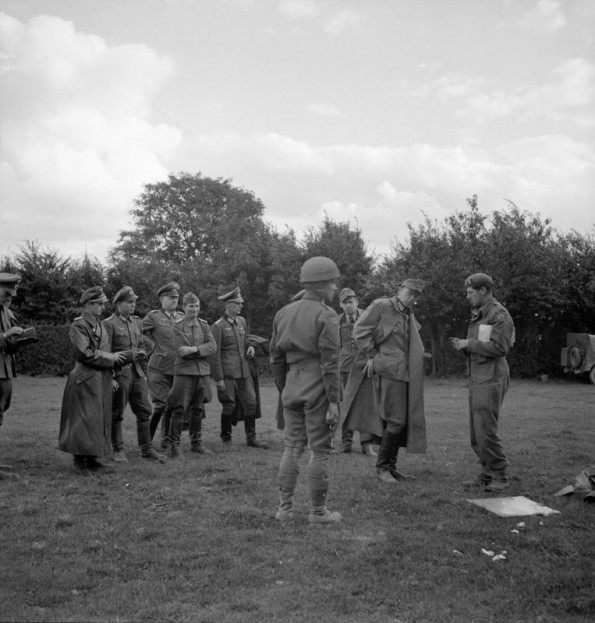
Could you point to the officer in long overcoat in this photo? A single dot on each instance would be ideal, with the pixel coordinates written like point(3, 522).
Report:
point(86, 419)
point(387, 333)
point(125, 334)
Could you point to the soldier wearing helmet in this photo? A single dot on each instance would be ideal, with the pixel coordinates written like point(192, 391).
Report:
point(304, 353)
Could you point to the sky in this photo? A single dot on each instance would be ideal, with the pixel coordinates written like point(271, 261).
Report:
point(374, 112)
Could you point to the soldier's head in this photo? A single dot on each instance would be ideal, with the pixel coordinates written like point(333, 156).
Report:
point(348, 301)
point(479, 289)
point(169, 295)
point(320, 275)
point(233, 302)
point(9, 284)
point(94, 300)
point(125, 301)
point(409, 291)
point(191, 305)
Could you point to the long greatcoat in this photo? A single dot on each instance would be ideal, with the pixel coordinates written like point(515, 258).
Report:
point(85, 423)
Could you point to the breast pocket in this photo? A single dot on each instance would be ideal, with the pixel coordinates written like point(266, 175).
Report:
point(484, 370)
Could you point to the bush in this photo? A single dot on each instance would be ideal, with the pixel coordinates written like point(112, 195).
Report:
point(51, 356)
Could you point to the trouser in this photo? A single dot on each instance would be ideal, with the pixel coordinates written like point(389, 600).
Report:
point(159, 387)
point(5, 397)
point(240, 394)
point(485, 400)
point(187, 395)
point(304, 410)
point(392, 403)
point(133, 390)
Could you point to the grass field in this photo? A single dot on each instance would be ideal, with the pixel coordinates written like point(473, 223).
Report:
point(197, 540)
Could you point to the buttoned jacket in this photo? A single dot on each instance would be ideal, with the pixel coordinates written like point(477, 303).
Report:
point(230, 359)
point(127, 335)
point(195, 333)
point(349, 349)
point(159, 327)
point(8, 346)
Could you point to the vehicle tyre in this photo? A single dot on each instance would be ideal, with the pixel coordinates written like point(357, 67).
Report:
point(592, 375)
point(575, 357)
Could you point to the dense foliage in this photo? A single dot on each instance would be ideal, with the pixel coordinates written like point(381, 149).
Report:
point(211, 236)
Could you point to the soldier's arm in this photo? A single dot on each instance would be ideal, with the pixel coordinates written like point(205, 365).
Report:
point(84, 351)
point(500, 341)
point(215, 358)
point(329, 344)
point(277, 360)
point(209, 348)
point(149, 324)
point(363, 331)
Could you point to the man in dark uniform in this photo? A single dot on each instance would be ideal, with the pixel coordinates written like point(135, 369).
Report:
point(86, 418)
point(158, 325)
point(304, 353)
point(194, 344)
point(387, 333)
point(489, 338)
point(348, 358)
point(9, 333)
point(125, 334)
point(231, 371)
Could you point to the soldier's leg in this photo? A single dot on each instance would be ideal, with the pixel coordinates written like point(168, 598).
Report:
point(246, 394)
point(295, 440)
point(140, 405)
point(5, 399)
point(196, 414)
point(178, 402)
point(159, 386)
point(228, 405)
point(119, 402)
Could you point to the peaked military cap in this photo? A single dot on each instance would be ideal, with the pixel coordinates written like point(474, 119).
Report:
point(232, 297)
point(345, 294)
point(125, 295)
point(9, 279)
point(169, 289)
point(190, 297)
point(417, 285)
point(93, 295)
point(479, 280)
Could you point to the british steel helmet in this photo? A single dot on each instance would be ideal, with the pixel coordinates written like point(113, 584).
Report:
point(318, 269)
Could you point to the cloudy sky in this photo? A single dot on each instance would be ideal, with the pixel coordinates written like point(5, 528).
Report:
point(371, 111)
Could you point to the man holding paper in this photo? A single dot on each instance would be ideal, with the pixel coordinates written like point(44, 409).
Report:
point(489, 338)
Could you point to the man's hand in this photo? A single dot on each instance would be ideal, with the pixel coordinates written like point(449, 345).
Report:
point(186, 351)
point(458, 344)
point(140, 355)
point(119, 357)
point(250, 352)
point(369, 367)
point(332, 415)
point(14, 331)
point(115, 385)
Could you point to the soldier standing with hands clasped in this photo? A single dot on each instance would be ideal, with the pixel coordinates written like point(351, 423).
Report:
point(304, 355)
point(489, 338)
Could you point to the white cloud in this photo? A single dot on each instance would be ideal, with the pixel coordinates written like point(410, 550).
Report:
point(546, 16)
point(342, 20)
point(326, 110)
point(78, 142)
point(297, 9)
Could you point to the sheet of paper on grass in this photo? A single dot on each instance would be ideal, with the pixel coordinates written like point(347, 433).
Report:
point(513, 507)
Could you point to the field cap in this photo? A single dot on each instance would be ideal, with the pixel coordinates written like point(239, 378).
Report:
point(9, 279)
point(125, 295)
point(169, 289)
point(93, 295)
point(417, 285)
point(232, 297)
point(189, 298)
point(479, 280)
point(345, 294)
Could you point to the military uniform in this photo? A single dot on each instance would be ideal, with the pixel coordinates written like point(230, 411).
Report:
point(86, 417)
point(304, 359)
point(388, 334)
point(8, 348)
point(490, 336)
point(190, 388)
point(126, 335)
point(158, 325)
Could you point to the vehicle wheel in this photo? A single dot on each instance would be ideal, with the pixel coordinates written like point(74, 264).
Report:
point(592, 375)
point(575, 357)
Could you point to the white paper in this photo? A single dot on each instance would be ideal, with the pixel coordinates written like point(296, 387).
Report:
point(513, 507)
point(485, 330)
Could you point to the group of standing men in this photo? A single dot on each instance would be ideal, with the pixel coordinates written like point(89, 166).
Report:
point(179, 351)
point(363, 369)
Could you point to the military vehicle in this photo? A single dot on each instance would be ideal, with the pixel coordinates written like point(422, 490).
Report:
point(578, 356)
